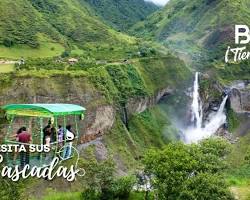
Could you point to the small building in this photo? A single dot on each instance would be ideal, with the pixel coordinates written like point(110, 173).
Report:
point(101, 62)
point(72, 61)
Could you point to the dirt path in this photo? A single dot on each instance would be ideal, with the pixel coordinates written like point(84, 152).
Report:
point(8, 62)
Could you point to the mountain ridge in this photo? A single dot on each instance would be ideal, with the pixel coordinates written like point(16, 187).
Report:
point(200, 32)
point(70, 24)
point(122, 14)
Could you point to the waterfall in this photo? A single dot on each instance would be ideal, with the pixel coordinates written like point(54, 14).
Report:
point(196, 104)
point(222, 106)
point(215, 121)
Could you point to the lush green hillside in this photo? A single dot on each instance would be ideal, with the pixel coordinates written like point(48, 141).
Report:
point(122, 14)
point(20, 23)
point(201, 29)
point(205, 22)
point(52, 26)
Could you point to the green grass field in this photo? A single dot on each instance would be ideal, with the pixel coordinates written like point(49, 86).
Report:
point(63, 196)
point(6, 68)
point(46, 49)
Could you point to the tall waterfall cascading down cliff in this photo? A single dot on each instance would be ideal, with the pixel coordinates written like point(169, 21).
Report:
point(196, 104)
point(198, 130)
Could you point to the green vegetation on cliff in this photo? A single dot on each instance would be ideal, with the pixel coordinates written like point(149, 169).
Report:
point(200, 31)
point(112, 84)
point(122, 14)
point(54, 26)
point(205, 23)
point(120, 81)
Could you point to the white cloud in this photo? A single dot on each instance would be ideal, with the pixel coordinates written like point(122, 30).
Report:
point(159, 2)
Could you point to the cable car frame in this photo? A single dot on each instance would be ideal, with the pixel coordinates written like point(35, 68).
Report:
point(40, 113)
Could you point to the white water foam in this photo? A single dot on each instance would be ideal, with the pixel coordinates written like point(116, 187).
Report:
point(196, 132)
point(196, 104)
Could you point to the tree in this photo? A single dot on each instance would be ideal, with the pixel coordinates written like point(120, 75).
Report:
point(9, 190)
point(122, 187)
point(8, 42)
point(101, 183)
point(65, 54)
point(182, 171)
point(205, 186)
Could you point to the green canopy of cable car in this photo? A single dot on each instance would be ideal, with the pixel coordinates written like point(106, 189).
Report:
point(43, 110)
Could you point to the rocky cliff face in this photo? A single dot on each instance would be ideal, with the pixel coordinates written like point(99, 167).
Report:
point(108, 92)
point(240, 97)
point(138, 105)
point(238, 91)
point(100, 115)
point(62, 90)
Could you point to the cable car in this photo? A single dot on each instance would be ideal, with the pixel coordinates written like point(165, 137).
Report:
point(36, 117)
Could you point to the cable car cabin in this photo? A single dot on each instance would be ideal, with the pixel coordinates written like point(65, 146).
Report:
point(46, 124)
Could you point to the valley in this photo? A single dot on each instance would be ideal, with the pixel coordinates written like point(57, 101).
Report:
point(155, 85)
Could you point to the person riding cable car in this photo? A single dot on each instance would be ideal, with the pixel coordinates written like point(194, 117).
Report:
point(70, 136)
point(60, 133)
point(58, 137)
point(24, 137)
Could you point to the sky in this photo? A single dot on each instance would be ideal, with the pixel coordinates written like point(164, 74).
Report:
point(159, 2)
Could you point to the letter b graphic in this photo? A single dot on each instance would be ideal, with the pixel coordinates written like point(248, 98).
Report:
point(242, 31)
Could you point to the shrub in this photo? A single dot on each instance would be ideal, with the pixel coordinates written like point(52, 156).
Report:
point(65, 54)
point(123, 186)
point(8, 42)
point(90, 194)
point(182, 171)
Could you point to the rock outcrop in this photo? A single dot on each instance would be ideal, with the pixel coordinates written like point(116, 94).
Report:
point(100, 115)
point(138, 105)
point(239, 97)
